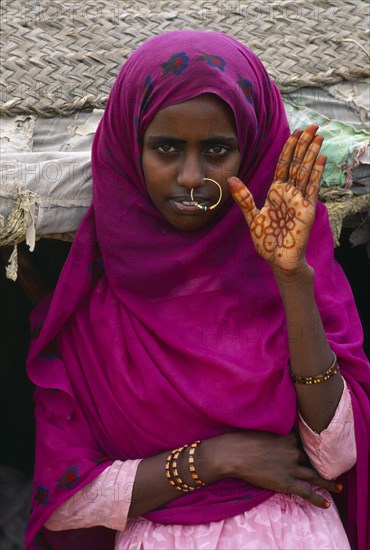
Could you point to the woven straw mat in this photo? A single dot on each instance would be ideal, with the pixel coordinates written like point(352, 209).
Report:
point(58, 57)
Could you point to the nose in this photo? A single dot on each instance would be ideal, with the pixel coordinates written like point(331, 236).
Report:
point(190, 173)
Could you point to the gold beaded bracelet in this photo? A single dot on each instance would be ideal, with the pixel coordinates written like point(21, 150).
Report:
point(180, 485)
point(317, 379)
point(193, 472)
point(172, 473)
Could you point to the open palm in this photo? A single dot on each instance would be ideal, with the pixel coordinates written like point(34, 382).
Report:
point(280, 230)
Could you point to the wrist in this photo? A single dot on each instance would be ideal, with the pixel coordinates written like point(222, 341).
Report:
point(214, 460)
point(303, 275)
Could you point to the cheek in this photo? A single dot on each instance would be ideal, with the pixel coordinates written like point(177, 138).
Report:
point(232, 167)
point(237, 163)
point(158, 174)
point(151, 173)
point(153, 178)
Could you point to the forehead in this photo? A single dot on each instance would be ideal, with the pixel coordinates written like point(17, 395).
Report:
point(205, 115)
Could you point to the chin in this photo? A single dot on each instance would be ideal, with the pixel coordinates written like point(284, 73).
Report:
point(189, 225)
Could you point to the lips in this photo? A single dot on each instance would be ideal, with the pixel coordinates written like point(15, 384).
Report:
point(185, 205)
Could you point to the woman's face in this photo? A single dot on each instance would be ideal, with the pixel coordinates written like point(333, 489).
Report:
point(183, 144)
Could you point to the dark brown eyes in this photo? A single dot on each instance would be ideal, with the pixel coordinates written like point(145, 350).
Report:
point(217, 150)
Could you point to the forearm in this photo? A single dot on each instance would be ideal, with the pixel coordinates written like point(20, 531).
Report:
point(260, 458)
point(135, 487)
point(152, 489)
point(310, 352)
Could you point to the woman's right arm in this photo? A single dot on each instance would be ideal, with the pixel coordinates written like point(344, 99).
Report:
point(261, 458)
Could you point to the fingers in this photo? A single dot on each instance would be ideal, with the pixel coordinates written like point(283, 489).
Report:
point(310, 475)
point(286, 156)
point(307, 480)
point(243, 198)
point(305, 491)
point(304, 146)
point(303, 459)
point(299, 163)
point(313, 186)
point(302, 177)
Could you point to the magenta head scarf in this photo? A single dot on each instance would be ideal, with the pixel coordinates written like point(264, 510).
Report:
point(155, 337)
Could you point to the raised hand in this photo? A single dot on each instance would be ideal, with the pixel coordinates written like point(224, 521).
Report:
point(280, 230)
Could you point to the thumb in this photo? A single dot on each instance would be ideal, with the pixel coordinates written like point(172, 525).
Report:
point(243, 197)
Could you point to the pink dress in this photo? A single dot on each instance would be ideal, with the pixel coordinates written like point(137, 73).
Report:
point(283, 521)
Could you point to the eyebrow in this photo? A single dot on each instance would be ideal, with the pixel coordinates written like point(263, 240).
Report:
point(211, 141)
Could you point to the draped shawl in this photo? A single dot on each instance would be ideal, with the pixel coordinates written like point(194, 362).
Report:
point(155, 337)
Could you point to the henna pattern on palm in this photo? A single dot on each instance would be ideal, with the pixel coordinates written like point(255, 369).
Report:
point(276, 228)
point(284, 222)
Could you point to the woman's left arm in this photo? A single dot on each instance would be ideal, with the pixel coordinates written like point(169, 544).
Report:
point(280, 232)
point(310, 353)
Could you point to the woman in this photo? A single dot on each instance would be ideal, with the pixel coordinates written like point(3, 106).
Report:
point(172, 322)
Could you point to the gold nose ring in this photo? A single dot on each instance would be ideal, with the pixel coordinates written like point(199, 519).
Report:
point(213, 206)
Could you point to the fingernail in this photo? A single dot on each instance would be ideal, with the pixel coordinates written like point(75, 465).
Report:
point(233, 182)
point(339, 487)
point(327, 504)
